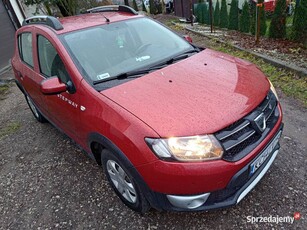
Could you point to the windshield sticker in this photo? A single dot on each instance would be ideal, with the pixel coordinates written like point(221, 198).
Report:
point(144, 58)
point(103, 76)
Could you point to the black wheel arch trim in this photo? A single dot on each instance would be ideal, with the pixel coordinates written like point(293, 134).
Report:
point(108, 144)
point(20, 87)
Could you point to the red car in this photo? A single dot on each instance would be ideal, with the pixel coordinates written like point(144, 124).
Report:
point(175, 126)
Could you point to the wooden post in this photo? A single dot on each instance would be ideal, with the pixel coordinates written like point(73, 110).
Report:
point(258, 5)
point(211, 16)
point(191, 11)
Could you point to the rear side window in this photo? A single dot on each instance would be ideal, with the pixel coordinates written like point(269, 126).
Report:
point(25, 48)
point(49, 60)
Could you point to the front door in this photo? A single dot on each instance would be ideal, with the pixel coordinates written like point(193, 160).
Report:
point(63, 109)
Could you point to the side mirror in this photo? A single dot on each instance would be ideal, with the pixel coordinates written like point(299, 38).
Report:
point(188, 38)
point(52, 86)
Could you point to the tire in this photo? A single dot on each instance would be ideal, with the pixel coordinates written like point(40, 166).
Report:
point(38, 116)
point(123, 183)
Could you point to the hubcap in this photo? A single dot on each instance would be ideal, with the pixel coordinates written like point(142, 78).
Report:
point(32, 107)
point(121, 181)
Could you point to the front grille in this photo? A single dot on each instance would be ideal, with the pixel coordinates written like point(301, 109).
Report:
point(243, 136)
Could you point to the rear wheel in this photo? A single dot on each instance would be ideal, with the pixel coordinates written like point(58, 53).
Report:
point(35, 111)
point(123, 183)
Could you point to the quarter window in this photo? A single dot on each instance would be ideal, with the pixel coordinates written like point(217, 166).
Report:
point(49, 60)
point(25, 48)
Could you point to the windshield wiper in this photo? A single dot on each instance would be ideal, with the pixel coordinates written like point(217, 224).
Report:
point(126, 75)
point(141, 72)
point(182, 56)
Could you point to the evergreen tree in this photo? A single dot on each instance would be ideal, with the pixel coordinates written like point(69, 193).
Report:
point(223, 15)
point(253, 18)
point(233, 15)
point(143, 7)
point(216, 17)
point(135, 6)
point(278, 22)
point(245, 18)
point(199, 13)
point(261, 14)
point(202, 11)
point(126, 2)
point(206, 13)
point(263, 25)
point(299, 27)
point(212, 14)
point(159, 7)
point(152, 7)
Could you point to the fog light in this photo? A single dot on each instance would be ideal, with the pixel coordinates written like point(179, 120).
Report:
point(188, 202)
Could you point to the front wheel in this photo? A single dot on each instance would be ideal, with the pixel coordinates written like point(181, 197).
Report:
point(35, 111)
point(123, 183)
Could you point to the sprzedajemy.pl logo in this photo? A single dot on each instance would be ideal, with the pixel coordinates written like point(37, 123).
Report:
point(273, 219)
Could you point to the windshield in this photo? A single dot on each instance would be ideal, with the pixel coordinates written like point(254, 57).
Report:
point(105, 51)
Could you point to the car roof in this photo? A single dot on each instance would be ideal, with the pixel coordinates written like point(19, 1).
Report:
point(96, 16)
point(83, 21)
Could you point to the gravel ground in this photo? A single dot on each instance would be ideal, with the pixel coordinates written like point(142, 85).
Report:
point(282, 50)
point(278, 49)
point(46, 182)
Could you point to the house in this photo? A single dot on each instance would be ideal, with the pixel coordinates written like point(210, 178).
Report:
point(182, 8)
point(12, 14)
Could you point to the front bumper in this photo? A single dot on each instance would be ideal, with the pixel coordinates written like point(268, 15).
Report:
point(238, 187)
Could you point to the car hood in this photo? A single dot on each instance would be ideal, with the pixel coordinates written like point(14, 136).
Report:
point(198, 95)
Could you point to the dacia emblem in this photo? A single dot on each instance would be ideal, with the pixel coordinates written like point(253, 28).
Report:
point(260, 122)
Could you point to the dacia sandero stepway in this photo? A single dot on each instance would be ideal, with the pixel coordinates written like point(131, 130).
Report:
point(174, 126)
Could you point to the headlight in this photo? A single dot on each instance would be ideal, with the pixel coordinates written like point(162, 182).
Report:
point(194, 148)
point(273, 90)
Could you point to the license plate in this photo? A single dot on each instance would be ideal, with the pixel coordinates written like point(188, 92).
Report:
point(264, 155)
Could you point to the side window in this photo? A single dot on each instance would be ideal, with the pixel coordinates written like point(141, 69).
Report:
point(25, 48)
point(49, 60)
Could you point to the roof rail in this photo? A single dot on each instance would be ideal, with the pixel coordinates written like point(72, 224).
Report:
point(110, 8)
point(45, 20)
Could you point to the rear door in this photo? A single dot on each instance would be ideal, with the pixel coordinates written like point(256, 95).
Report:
point(25, 71)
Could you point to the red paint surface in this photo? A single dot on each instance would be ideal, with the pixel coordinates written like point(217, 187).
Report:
point(198, 95)
point(195, 178)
